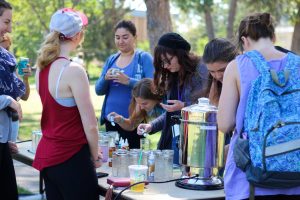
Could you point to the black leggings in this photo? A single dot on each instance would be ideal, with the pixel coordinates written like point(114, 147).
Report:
point(8, 184)
point(132, 136)
point(277, 197)
point(74, 179)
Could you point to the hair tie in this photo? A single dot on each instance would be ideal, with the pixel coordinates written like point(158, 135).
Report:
point(62, 37)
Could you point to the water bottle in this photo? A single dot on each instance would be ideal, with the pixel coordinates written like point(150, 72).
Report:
point(151, 166)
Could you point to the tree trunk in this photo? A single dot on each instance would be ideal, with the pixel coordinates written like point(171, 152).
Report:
point(231, 17)
point(158, 20)
point(209, 23)
point(296, 35)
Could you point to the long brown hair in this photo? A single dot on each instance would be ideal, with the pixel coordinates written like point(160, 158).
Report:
point(163, 79)
point(143, 89)
point(256, 26)
point(217, 50)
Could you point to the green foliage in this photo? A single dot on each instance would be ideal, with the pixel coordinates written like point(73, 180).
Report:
point(144, 45)
point(23, 191)
point(196, 6)
point(31, 19)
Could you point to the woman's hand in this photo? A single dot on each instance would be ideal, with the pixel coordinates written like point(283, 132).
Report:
point(17, 107)
point(98, 160)
point(176, 105)
point(27, 72)
point(144, 128)
point(13, 147)
point(122, 78)
point(117, 118)
point(109, 75)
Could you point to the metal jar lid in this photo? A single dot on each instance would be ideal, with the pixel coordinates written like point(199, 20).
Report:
point(203, 106)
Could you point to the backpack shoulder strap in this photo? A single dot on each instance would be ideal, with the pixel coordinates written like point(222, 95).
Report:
point(139, 52)
point(293, 64)
point(112, 59)
point(258, 60)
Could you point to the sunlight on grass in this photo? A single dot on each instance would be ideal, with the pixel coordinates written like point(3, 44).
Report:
point(32, 109)
point(23, 191)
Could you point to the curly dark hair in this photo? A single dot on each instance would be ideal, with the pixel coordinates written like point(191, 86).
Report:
point(163, 79)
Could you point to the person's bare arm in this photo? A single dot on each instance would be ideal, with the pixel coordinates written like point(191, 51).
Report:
point(229, 99)
point(79, 85)
point(124, 123)
point(37, 79)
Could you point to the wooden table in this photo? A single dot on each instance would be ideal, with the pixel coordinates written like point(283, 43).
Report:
point(26, 156)
point(165, 191)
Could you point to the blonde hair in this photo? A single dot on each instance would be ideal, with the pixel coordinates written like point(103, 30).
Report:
point(49, 51)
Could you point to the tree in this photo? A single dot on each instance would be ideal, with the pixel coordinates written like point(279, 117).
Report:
point(231, 18)
point(279, 9)
point(158, 20)
point(199, 7)
point(296, 35)
point(32, 19)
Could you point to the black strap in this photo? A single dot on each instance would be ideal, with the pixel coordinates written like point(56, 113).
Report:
point(252, 192)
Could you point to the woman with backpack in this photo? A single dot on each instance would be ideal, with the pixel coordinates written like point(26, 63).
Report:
point(256, 32)
point(119, 75)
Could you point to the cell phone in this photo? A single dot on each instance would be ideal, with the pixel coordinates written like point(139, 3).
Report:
point(101, 174)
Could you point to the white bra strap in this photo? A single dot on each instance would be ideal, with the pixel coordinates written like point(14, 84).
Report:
point(59, 77)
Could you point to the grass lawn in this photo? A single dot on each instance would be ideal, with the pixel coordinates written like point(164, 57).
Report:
point(23, 191)
point(32, 109)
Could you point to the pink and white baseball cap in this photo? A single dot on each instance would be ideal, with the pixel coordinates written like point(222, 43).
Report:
point(68, 21)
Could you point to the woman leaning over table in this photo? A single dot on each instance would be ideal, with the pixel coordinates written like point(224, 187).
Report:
point(120, 73)
point(67, 154)
point(144, 105)
point(179, 76)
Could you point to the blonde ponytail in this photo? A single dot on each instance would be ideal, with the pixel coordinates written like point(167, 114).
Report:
point(49, 50)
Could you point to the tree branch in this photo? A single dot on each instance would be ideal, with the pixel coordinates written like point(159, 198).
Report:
point(43, 23)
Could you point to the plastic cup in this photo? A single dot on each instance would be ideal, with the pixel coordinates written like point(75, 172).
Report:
point(22, 65)
point(138, 173)
point(103, 144)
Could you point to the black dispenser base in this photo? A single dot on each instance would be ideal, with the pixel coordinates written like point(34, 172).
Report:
point(214, 183)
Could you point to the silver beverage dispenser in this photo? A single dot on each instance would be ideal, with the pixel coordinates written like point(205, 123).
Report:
point(201, 147)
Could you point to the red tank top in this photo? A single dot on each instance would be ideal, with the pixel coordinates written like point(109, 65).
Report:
point(63, 133)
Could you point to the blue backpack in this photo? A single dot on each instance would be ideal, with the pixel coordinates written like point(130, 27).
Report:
point(269, 154)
